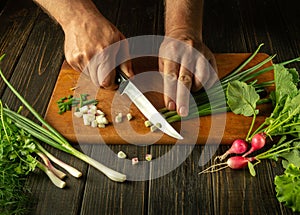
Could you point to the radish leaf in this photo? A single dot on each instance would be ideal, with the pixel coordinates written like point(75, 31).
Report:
point(242, 98)
point(251, 169)
point(288, 187)
point(285, 82)
point(291, 157)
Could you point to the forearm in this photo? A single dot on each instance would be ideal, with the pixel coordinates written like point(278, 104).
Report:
point(65, 12)
point(184, 16)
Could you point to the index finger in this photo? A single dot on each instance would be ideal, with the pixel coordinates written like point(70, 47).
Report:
point(184, 85)
point(171, 70)
point(123, 53)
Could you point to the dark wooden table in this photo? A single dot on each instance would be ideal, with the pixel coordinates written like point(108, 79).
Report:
point(33, 45)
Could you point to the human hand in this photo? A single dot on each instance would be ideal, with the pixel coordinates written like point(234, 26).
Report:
point(92, 46)
point(187, 65)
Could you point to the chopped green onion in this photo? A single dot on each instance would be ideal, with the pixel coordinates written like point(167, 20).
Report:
point(148, 157)
point(121, 154)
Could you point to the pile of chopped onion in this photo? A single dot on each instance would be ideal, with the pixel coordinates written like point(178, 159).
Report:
point(92, 116)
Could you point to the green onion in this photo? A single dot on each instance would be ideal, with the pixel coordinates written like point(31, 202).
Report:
point(53, 137)
point(74, 172)
point(55, 180)
point(212, 100)
point(49, 165)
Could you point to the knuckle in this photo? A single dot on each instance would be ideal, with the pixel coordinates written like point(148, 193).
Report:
point(105, 84)
point(185, 79)
point(167, 48)
point(171, 75)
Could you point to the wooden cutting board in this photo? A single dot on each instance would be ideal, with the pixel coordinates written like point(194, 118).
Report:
point(209, 129)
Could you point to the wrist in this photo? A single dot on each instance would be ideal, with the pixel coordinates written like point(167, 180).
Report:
point(76, 23)
point(183, 19)
point(183, 34)
point(71, 13)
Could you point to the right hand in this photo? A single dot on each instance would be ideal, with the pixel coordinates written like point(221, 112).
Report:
point(91, 36)
point(178, 80)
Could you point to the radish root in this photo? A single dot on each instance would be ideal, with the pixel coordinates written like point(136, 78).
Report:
point(212, 169)
point(222, 157)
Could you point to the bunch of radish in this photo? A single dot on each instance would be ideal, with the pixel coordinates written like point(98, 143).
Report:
point(239, 148)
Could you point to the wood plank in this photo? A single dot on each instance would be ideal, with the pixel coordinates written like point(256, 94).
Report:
point(242, 25)
point(258, 27)
point(236, 191)
point(2, 5)
point(221, 22)
point(103, 196)
point(129, 197)
point(181, 191)
point(141, 15)
point(225, 192)
point(109, 102)
point(46, 198)
point(288, 12)
point(244, 193)
point(36, 72)
point(34, 77)
point(17, 20)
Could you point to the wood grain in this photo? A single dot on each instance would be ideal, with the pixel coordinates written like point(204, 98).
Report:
point(17, 21)
point(231, 26)
point(219, 127)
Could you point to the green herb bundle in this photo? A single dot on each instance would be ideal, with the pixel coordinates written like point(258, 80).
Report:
point(16, 162)
point(284, 121)
point(20, 148)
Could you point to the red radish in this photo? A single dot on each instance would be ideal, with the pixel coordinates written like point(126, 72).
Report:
point(236, 162)
point(238, 146)
point(258, 141)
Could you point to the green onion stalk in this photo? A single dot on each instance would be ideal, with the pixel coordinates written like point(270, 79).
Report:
point(49, 135)
point(212, 100)
point(19, 148)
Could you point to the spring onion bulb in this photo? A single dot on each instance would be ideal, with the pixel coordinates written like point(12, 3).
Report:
point(50, 136)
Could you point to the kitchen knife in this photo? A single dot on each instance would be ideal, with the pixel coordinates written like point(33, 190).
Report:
point(144, 105)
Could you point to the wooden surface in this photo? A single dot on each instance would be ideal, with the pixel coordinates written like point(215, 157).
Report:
point(223, 128)
point(33, 44)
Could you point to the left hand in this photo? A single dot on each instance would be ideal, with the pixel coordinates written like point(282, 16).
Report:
point(92, 45)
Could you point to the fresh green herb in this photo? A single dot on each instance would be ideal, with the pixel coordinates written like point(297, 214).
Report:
point(284, 120)
point(16, 162)
point(18, 151)
point(285, 117)
point(49, 135)
point(287, 187)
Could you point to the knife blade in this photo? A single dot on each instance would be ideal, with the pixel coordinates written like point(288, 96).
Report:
point(144, 105)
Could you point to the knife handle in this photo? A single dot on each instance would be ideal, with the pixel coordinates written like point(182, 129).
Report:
point(121, 79)
point(120, 76)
